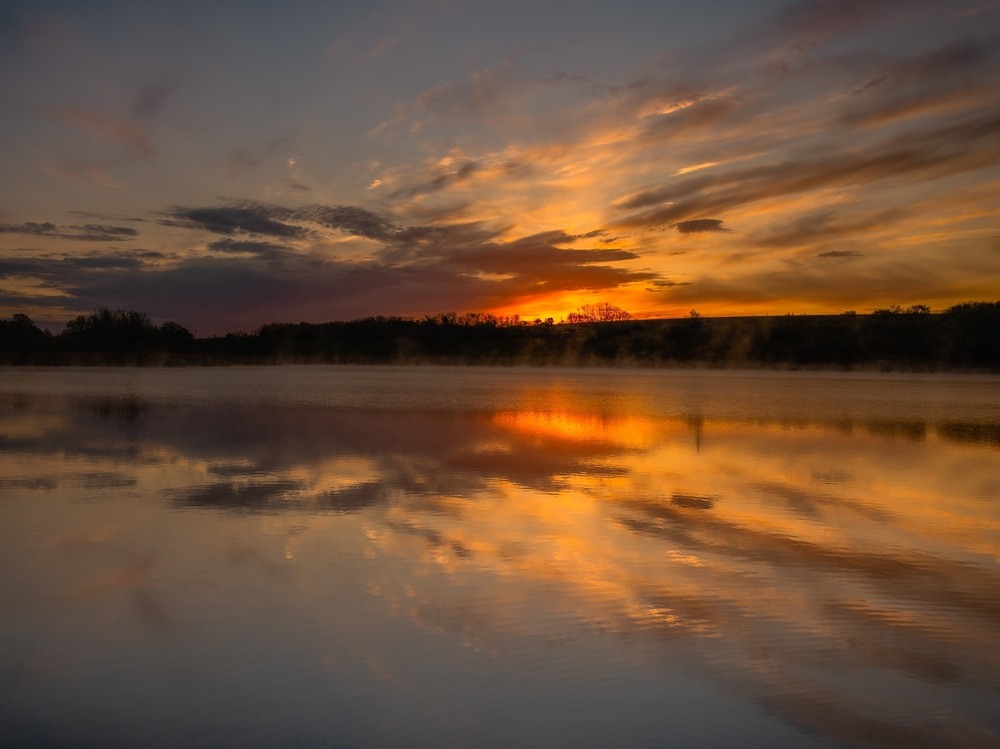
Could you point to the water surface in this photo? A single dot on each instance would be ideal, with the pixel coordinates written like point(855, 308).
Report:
point(486, 557)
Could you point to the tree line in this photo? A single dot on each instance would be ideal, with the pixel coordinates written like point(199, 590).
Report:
point(963, 337)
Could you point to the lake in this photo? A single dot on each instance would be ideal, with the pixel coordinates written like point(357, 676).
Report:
point(423, 556)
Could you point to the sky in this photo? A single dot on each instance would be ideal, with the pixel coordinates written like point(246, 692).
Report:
point(231, 164)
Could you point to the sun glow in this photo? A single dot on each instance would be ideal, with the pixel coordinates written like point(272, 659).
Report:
point(567, 425)
point(558, 305)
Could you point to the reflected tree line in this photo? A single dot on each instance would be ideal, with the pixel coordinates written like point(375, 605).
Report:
point(965, 336)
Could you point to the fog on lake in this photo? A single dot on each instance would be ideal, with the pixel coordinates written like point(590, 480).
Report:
point(422, 556)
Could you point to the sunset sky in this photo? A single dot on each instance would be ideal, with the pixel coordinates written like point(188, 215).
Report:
point(230, 164)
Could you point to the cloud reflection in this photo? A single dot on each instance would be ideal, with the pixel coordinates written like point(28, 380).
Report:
point(783, 556)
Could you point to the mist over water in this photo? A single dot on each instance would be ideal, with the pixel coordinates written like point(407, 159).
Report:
point(355, 556)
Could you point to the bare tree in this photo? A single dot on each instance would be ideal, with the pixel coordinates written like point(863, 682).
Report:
point(601, 312)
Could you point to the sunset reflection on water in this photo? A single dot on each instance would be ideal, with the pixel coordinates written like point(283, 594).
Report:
point(375, 556)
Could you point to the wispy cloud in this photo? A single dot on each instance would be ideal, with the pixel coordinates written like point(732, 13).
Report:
point(249, 218)
point(840, 253)
point(133, 138)
point(479, 96)
point(958, 76)
point(700, 225)
point(78, 232)
point(474, 95)
point(439, 181)
point(927, 153)
point(82, 171)
point(824, 224)
point(249, 247)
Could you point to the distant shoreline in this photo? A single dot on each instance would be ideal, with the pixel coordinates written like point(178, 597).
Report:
point(885, 369)
point(963, 339)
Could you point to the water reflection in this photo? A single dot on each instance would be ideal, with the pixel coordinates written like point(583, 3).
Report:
point(835, 575)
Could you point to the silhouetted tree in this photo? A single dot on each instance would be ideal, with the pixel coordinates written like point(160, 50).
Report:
point(20, 336)
point(972, 334)
point(111, 332)
point(175, 338)
point(964, 336)
point(601, 312)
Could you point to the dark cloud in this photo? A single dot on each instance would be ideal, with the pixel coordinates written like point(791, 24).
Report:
point(101, 233)
point(351, 219)
point(48, 312)
point(248, 218)
point(700, 225)
point(536, 255)
point(218, 295)
point(266, 219)
point(260, 249)
point(107, 216)
point(30, 227)
point(428, 269)
point(506, 271)
point(840, 253)
point(660, 284)
point(439, 181)
point(543, 267)
point(259, 496)
point(693, 501)
point(257, 278)
point(208, 294)
point(83, 233)
point(283, 496)
point(421, 242)
point(64, 270)
point(104, 261)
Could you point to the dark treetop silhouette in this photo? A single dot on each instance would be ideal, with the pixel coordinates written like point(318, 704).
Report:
point(963, 337)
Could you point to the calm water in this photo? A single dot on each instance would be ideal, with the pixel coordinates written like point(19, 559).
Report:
point(325, 556)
